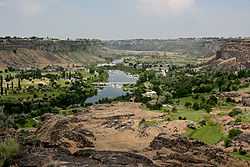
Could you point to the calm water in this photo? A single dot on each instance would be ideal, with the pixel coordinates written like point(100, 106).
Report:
point(114, 89)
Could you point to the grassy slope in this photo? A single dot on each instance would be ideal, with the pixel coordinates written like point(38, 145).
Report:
point(209, 134)
point(190, 115)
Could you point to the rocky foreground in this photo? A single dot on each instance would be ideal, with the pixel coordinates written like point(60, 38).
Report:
point(114, 135)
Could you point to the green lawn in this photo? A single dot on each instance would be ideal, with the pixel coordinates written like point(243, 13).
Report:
point(190, 115)
point(210, 134)
point(40, 94)
point(189, 99)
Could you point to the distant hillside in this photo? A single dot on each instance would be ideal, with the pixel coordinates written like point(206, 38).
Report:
point(234, 54)
point(38, 52)
point(188, 46)
point(20, 52)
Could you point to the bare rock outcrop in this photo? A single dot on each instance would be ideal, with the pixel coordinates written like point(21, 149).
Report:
point(233, 55)
point(58, 131)
point(180, 151)
point(88, 157)
point(110, 136)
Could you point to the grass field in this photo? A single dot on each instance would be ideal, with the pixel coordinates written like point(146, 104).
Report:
point(190, 115)
point(189, 99)
point(209, 134)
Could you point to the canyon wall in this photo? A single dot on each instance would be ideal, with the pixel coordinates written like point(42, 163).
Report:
point(37, 52)
point(234, 53)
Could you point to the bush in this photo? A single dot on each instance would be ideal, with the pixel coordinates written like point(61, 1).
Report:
point(231, 135)
point(212, 100)
point(230, 100)
point(196, 106)
point(8, 149)
point(227, 142)
point(206, 107)
point(242, 152)
point(203, 123)
point(195, 96)
point(174, 109)
point(235, 112)
point(234, 133)
point(188, 104)
point(182, 118)
point(6, 121)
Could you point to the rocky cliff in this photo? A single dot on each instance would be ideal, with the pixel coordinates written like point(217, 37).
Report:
point(113, 136)
point(201, 47)
point(30, 52)
point(234, 54)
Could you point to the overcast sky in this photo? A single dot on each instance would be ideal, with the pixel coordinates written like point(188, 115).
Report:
point(125, 19)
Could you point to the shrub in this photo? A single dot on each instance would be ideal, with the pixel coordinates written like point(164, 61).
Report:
point(206, 107)
point(174, 109)
point(195, 96)
point(6, 121)
point(188, 104)
point(196, 106)
point(8, 149)
point(212, 100)
point(238, 120)
point(235, 112)
point(203, 123)
point(234, 133)
point(242, 152)
point(229, 100)
point(227, 142)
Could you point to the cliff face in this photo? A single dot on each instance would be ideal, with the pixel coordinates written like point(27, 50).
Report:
point(187, 46)
point(234, 54)
point(19, 52)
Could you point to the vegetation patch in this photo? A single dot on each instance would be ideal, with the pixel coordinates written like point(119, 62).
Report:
point(231, 135)
point(8, 149)
point(191, 115)
point(245, 117)
point(235, 112)
point(209, 134)
point(148, 123)
point(238, 155)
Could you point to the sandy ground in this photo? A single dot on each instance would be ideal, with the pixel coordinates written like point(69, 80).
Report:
point(116, 126)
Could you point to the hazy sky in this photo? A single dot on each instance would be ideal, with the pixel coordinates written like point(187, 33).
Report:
point(123, 19)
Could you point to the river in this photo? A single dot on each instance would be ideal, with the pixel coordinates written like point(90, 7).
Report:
point(114, 86)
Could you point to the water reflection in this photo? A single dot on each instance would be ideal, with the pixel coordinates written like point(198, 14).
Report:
point(114, 87)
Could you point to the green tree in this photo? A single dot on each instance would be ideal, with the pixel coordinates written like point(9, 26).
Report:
point(1, 84)
point(8, 149)
point(19, 84)
point(188, 105)
point(196, 106)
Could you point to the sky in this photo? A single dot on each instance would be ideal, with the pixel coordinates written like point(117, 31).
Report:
point(125, 19)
